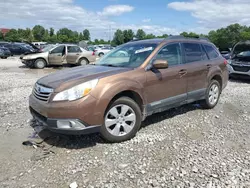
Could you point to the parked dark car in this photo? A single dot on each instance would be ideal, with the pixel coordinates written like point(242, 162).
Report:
point(4, 53)
point(239, 62)
point(225, 52)
point(19, 49)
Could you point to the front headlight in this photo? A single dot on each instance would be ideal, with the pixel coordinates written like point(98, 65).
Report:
point(76, 92)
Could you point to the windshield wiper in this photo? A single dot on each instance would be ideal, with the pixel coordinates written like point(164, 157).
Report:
point(109, 65)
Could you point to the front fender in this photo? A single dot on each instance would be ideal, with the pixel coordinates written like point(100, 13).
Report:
point(105, 96)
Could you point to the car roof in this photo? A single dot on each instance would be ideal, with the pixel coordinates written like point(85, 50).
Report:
point(172, 39)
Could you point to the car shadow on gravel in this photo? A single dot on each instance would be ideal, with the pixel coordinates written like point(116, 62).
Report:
point(85, 141)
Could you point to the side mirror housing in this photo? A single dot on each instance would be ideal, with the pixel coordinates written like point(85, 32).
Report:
point(160, 64)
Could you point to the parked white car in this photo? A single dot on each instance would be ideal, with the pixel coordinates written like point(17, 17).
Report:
point(103, 51)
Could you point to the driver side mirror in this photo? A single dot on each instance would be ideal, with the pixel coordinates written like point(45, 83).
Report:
point(160, 64)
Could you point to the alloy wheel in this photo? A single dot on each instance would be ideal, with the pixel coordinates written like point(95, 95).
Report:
point(120, 120)
point(213, 94)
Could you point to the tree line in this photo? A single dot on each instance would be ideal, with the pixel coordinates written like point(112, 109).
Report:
point(223, 38)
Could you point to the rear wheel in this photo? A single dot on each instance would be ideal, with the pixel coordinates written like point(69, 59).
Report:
point(83, 61)
point(101, 54)
point(212, 95)
point(122, 120)
point(40, 63)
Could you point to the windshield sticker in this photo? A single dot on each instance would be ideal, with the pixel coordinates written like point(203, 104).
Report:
point(144, 50)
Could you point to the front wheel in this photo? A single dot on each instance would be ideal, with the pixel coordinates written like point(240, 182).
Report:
point(212, 95)
point(40, 64)
point(122, 120)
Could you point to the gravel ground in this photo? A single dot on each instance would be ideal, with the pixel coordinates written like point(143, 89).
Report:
point(183, 147)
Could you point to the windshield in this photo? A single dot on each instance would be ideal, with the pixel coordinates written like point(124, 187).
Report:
point(48, 48)
point(127, 55)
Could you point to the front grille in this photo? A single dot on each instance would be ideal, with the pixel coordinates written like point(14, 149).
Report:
point(42, 93)
point(241, 68)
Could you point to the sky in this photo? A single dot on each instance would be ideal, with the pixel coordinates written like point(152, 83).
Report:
point(103, 17)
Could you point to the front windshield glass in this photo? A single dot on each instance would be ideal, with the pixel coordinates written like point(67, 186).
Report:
point(127, 55)
point(47, 48)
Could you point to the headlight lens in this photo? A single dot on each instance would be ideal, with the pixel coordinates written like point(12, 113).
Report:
point(76, 92)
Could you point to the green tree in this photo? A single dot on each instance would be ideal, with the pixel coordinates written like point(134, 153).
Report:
point(12, 36)
point(81, 36)
point(128, 35)
point(96, 41)
point(1, 36)
point(51, 32)
point(46, 35)
point(38, 32)
point(86, 34)
point(245, 35)
point(118, 37)
point(150, 36)
point(63, 38)
point(140, 34)
point(163, 36)
point(53, 39)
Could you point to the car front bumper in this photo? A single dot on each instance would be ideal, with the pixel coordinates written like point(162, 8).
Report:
point(64, 126)
point(238, 70)
point(58, 117)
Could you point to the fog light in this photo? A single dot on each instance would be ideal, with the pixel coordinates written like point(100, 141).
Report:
point(69, 124)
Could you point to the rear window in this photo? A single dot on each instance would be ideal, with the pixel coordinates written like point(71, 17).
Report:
point(211, 52)
point(193, 52)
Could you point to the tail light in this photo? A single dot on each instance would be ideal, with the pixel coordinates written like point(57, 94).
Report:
point(93, 53)
point(225, 62)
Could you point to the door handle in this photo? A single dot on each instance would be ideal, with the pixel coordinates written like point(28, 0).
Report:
point(77, 54)
point(209, 66)
point(182, 72)
point(59, 55)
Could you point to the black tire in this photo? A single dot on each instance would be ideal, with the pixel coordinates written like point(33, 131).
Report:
point(40, 63)
point(100, 54)
point(106, 135)
point(205, 103)
point(83, 59)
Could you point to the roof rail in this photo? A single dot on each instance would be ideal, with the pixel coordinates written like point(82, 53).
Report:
point(183, 37)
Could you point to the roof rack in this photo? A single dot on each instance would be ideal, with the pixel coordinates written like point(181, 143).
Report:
point(170, 37)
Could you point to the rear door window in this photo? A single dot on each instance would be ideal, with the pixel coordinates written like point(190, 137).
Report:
point(73, 49)
point(211, 52)
point(193, 52)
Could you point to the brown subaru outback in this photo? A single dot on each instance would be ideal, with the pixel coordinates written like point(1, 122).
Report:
point(118, 92)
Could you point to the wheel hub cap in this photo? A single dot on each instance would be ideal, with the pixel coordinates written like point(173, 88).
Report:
point(120, 120)
point(213, 94)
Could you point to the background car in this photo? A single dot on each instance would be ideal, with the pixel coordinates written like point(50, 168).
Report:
point(103, 51)
point(58, 55)
point(19, 49)
point(4, 52)
point(239, 62)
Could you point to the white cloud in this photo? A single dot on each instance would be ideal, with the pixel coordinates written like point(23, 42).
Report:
point(64, 13)
point(116, 10)
point(213, 14)
point(146, 20)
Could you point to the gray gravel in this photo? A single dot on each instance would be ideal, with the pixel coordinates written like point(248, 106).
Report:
point(183, 147)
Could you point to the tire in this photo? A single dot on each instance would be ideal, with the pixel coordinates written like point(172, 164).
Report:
point(40, 63)
point(101, 54)
point(83, 61)
point(117, 129)
point(212, 93)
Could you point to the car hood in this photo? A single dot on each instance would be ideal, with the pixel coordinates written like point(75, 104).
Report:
point(35, 55)
point(64, 79)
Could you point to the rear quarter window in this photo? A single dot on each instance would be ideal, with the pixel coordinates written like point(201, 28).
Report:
point(211, 52)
